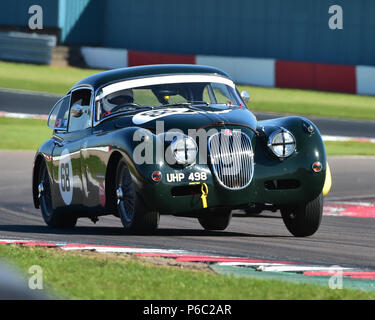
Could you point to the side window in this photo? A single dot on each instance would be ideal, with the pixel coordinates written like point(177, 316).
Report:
point(80, 112)
point(58, 118)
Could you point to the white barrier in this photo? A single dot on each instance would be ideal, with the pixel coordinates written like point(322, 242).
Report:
point(105, 58)
point(365, 80)
point(259, 72)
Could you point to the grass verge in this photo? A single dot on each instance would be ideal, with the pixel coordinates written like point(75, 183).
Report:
point(94, 276)
point(348, 148)
point(59, 80)
point(40, 78)
point(29, 134)
point(23, 134)
point(311, 103)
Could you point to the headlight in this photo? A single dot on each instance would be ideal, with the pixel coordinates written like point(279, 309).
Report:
point(282, 143)
point(184, 150)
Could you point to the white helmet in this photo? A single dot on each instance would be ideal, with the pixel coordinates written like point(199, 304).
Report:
point(109, 103)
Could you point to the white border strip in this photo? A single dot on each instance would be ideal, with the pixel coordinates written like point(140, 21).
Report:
point(294, 268)
point(343, 139)
point(5, 114)
point(278, 267)
point(125, 250)
point(162, 80)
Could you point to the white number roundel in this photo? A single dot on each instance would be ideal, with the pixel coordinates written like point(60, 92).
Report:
point(66, 177)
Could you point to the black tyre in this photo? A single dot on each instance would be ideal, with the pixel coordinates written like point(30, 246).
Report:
point(304, 220)
point(215, 219)
point(52, 218)
point(131, 209)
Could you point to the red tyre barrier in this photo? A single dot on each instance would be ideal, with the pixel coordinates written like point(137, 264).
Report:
point(290, 74)
point(316, 76)
point(137, 58)
point(335, 78)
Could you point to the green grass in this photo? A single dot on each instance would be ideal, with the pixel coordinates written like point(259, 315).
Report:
point(29, 134)
point(57, 80)
point(290, 101)
point(77, 276)
point(311, 103)
point(344, 148)
point(22, 134)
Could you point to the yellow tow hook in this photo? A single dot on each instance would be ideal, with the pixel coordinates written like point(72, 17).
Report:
point(204, 190)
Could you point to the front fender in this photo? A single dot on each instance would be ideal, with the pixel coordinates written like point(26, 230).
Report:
point(298, 167)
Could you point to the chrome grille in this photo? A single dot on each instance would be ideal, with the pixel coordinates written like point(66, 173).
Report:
point(232, 158)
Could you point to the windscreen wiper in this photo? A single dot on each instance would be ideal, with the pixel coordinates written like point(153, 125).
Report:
point(187, 103)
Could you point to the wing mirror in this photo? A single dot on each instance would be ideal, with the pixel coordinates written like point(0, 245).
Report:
point(245, 96)
point(76, 111)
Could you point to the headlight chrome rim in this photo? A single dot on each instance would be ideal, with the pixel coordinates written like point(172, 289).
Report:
point(287, 139)
point(184, 150)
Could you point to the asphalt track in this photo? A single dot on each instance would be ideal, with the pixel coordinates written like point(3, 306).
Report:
point(38, 103)
point(344, 241)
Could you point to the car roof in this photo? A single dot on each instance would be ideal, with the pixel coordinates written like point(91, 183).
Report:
point(107, 77)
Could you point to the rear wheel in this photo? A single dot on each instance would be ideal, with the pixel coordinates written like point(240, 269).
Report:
point(216, 219)
point(131, 209)
point(52, 218)
point(304, 220)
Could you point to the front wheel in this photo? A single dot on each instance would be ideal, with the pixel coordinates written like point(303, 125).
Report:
point(304, 220)
point(215, 219)
point(131, 209)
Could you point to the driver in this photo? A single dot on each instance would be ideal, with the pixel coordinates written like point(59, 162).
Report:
point(116, 99)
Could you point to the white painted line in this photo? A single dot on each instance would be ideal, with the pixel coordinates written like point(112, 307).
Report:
point(15, 241)
point(126, 250)
point(32, 93)
point(248, 264)
point(343, 138)
point(5, 114)
point(350, 203)
point(291, 268)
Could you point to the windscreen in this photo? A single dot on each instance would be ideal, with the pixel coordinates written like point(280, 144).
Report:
point(209, 94)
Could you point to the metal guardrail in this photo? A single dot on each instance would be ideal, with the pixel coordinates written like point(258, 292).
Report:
point(24, 47)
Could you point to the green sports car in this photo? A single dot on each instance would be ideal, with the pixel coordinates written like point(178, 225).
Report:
point(178, 140)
